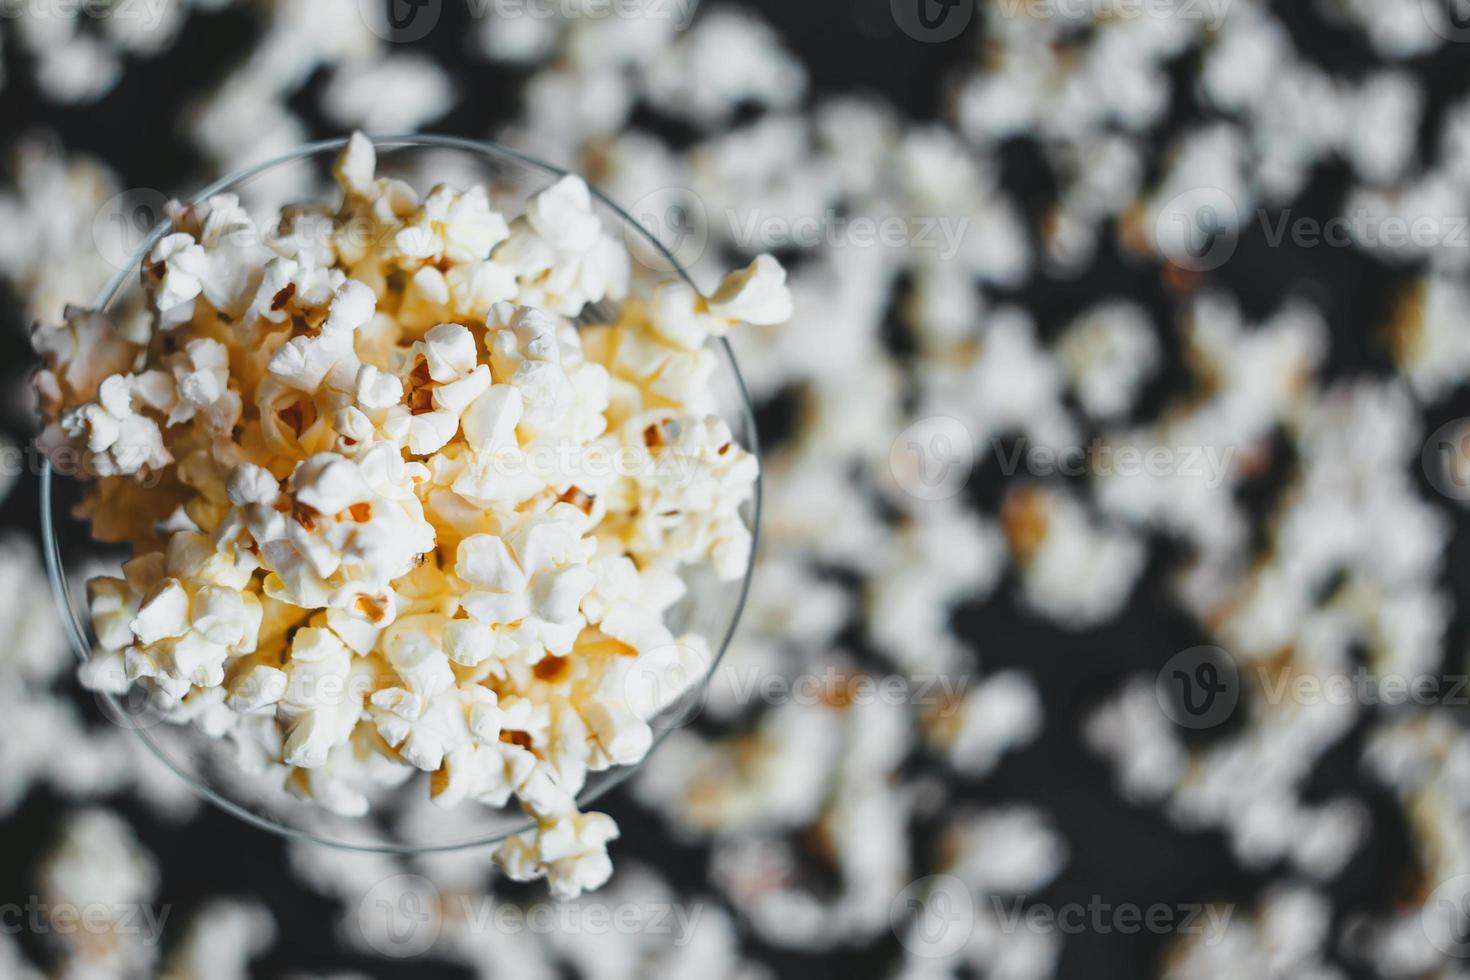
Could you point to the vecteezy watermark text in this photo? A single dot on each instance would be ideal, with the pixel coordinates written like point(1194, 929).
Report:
point(679, 12)
point(1209, 465)
point(934, 458)
point(1201, 230)
point(1099, 917)
point(406, 21)
point(935, 917)
point(1201, 687)
point(840, 687)
point(1211, 12)
point(41, 918)
point(754, 231)
point(150, 13)
point(405, 915)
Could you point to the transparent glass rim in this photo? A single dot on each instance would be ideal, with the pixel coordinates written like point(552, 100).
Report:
point(73, 622)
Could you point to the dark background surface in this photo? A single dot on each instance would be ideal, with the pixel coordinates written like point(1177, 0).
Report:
point(1119, 853)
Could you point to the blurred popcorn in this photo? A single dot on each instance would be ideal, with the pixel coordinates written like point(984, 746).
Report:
point(98, 875)
point(802, 816)
point(393, 95)
point(51, 210)
point(220, 941)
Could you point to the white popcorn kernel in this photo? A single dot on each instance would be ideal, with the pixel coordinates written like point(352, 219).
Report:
point(97, 863)
point(468, 643)
point(164, 613)
point(620, 731)
point(457, 396)
point(570, 852)
point(458, 228)
point(259, 686)
point(320, 707)
point(374, 390)
point(430, 432)
point(124, 440)
point(221, 940)
point(485, 561)
point(329, 484)
point(82, 353)
point(353, 305)
point(449, 350)
point(490, 421)
point(561, 254)
point(356, 165)
point(757, 294)
point(487, 773)
point(426, 730)
point(176, 270)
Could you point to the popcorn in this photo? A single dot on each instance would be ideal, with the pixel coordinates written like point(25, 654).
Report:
point(1088, 89)
point(79, 355)
point(221, 940)
point(391, 95)
point(459, 228)
point(560, 253)
point(354, 563)
point(97, 862)
point(116, 430)
point(571, 853)
point(175, 271)
point(1108, 354)
point(528, 588)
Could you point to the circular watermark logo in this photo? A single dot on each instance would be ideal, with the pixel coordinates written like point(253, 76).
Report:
point(1450, 19)
point(1198, 230)
point(1199, 688)
point(125, 221)
point(677, 219)
point(933, 458)
point(401, 21)
point(934, 917)
point(668, 687)
point(126, 704)
point(401, 916)
point(933, 21)
point(1446, 459)
point(1446, 917)
point(137, 709)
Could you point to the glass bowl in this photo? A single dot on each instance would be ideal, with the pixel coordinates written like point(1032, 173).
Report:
point(402, 820)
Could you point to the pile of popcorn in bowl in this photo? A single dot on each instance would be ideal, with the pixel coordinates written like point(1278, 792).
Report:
point(402, 498)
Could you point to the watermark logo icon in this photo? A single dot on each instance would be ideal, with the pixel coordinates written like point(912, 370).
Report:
point(124, 222)
point(401, 916)
point(1199, 688)
point(933, 21)
point(1446, 459)
point(933, 458)
point(401, 21)
point(1198, 230)
point(667, 688)
point(1450, 19)
point(677, 219)
point(133, 706)
point(1445, 917)
point(934, 917)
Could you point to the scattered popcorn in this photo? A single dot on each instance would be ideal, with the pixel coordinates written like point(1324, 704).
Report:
point(1291, 526)
point(98, 864)
point(1073, 570)
point(222, 939)
point(397, 94)
point(1108, 354)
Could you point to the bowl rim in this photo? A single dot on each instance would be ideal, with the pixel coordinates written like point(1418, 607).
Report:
point(77, 632)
